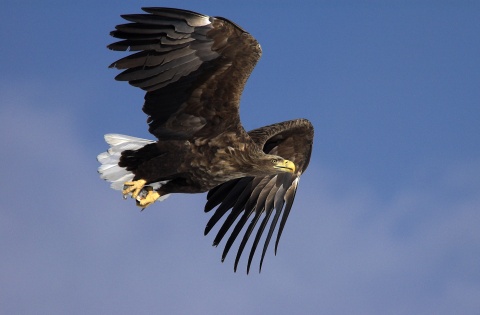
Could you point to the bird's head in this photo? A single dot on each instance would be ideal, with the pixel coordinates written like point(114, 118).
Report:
point(277, 164)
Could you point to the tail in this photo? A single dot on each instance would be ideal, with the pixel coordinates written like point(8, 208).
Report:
point(110, 170)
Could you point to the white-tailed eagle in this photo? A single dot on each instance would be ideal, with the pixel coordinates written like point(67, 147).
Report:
point(193, 68)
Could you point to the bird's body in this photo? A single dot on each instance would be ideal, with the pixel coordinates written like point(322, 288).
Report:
point(193, 68)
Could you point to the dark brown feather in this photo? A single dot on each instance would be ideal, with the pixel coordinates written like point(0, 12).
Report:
point(193, 67)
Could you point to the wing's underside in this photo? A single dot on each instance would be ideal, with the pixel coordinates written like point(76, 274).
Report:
point(252, 197)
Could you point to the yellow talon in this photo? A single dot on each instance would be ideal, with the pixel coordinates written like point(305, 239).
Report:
point(149, 199)
point(135, 187)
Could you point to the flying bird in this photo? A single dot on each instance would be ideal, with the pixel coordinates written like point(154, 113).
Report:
point(193, 68)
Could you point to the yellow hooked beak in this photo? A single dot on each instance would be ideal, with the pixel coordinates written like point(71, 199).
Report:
point(285, 166)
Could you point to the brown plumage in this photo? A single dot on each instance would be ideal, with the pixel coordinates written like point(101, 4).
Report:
point(194, 68)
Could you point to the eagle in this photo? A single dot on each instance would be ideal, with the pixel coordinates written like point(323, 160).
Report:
point(193, 68)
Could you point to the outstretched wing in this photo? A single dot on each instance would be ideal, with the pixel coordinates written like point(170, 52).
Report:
point(259, 196)
point(193, 67)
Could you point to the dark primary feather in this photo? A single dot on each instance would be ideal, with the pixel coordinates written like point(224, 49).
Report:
point(262, 195)
point(193, 67)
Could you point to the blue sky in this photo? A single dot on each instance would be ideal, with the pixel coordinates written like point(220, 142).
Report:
point(386, 217)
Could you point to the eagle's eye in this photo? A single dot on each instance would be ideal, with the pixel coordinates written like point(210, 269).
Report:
point(274, 161)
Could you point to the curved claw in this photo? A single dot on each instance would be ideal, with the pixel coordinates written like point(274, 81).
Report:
point(133, 187)
point(147, 197)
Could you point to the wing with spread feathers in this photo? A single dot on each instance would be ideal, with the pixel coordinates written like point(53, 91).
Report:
point(193, 67)
point(257, 196)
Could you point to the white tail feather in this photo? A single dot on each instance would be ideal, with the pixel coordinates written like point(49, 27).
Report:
point(109, 169)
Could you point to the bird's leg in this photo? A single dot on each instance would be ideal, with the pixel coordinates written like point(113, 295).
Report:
point(147, 197)
point(133, 187)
